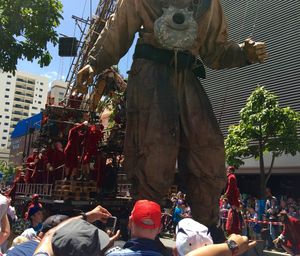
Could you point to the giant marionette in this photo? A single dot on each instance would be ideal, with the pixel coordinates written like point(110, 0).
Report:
point(169, 116)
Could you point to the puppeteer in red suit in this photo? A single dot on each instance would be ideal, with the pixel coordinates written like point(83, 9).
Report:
point(93, 136)
point(56, 158)
point(72, 149)
point(233, 224)
point(40, 175)
point(30, 165)
point(289, 239)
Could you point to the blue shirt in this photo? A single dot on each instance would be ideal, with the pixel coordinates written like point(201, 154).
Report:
point(176, 215)
point(138, 246)
point(24, 249)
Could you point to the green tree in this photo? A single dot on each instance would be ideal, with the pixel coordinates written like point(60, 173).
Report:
point(7, 171)
point(26, 26)
point(264, 127)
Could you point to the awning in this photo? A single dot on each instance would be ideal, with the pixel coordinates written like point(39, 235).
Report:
point(23, 127)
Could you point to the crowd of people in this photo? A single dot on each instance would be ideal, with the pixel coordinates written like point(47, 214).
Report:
point(62, 235)
point(277, 224)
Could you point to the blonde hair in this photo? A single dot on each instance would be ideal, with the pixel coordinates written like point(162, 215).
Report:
point(19, 240)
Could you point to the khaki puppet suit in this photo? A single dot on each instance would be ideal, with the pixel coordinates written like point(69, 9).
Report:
point(169, 115)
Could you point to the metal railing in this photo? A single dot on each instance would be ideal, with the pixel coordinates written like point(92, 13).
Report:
point(30, 189)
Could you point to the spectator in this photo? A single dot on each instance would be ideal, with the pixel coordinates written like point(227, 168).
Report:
point(255, 227)
point(269, 198)
point(76, 236)
point(292, 211)
point(35, 216)
point(289, 239)
point(224, 208)
point(5, 227)
point(178, 213)
point(24, 246)
point(283, 205)
point(144, 225)
point(191, 235)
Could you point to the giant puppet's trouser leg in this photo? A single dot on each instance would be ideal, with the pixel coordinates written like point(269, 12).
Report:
point(201, 157)
point(152, 134)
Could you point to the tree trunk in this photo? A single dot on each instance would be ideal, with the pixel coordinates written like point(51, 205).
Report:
point(262, 171)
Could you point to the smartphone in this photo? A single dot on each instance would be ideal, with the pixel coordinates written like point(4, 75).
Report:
point(111, 224)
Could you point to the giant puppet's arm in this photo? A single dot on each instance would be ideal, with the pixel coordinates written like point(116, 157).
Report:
point(218, 52)
point(117, 36)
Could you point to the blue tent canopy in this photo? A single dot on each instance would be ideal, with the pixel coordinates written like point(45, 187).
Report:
point(23, 126)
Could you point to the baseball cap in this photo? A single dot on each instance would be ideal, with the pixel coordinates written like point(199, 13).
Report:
point(77, 238)
point(146, 214)
point(33, 210)
point(191, 235)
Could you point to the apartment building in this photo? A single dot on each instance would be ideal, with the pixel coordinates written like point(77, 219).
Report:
point(57, 92)
point(23, 95)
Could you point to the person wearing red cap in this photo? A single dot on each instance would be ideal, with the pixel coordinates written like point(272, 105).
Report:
point(144, 225)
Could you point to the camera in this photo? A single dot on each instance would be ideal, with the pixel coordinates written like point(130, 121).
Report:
point(110, 225)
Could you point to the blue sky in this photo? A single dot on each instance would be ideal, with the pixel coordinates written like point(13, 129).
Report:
point(59, 66)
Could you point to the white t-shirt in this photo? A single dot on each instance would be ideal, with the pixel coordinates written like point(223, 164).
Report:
point(3, 206)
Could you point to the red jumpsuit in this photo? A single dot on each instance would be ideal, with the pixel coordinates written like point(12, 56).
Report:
point(56, 159)
point(233, 224)
point(40, 172)
point(232, 192)
point(30, 166)
point(291, 232)
point(91, 141)
point(72, 150)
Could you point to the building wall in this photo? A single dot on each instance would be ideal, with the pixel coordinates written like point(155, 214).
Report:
point(58, 90)
point(23, 95)
point(278, 24)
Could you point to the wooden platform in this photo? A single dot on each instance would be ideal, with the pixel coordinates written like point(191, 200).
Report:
point(74, 190)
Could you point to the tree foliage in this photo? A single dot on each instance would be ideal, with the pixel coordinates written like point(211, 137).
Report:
point(264, 127)
point(26, 26)
point(7, 171)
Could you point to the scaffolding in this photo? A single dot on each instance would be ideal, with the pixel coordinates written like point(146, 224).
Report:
point(90, 30)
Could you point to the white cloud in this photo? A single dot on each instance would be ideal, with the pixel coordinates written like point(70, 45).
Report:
point(52, 75)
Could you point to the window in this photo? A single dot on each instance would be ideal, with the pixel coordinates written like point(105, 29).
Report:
point(6, 124)
point(39, 102)
point(40, 96)
point(5, 130)
point(3, 145)
point(41, 90)
point(6, 116)
point(6, 110)
point(7, 89)
point(34, 108)
point(0, 116)
point(6, 103)
point(42, 83)
point(4, 138)
point(8, 82)
point(6, 96)
point(61, 94)
point(8, 76)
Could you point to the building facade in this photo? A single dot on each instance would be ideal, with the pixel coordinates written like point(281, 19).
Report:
point(278, 24)
point(23, 95)
point(57, 92)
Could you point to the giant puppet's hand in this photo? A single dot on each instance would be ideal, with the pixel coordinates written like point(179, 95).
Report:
point(255, 51)
point(84, 78)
